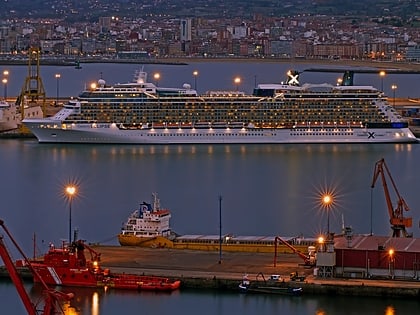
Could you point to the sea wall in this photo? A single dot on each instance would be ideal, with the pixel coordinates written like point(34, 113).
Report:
point(313, 288)
point(334, 287)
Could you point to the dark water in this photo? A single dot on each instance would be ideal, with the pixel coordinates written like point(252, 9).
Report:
point(266, 190)
point(99, 302)
point(211, 76)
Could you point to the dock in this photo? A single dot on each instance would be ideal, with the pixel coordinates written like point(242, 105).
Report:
point(205, 270)
point(208, 270)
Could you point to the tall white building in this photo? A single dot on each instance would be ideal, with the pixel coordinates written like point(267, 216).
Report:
point(185, 28)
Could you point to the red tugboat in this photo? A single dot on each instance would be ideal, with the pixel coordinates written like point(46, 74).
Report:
point(68, 266)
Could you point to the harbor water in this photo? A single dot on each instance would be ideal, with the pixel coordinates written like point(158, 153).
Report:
point(99, 302)
point(265, 190)
point(212, 76)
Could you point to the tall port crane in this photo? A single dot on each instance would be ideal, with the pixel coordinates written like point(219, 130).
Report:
point(399, 223)
point(51, 297)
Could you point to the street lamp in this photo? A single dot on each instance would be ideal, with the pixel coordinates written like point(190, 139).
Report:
point(70, 192)
point(220, 229)
point(391, 253)
point(5, 88)
point(156, 76)
point(57, 77)
point(5, 80)
point(195, 74)
point(237, 81)
point(327, 202)
point(394, 88)
point(382, 75)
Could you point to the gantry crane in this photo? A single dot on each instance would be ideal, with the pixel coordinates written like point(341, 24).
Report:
point(399, 223)
point(33, 92)
point(51, 297)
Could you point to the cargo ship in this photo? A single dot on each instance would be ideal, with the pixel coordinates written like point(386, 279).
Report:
point(140, 112)
point(149, 226)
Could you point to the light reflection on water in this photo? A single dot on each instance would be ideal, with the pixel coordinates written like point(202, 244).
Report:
point(111, 302)
point(266, 189)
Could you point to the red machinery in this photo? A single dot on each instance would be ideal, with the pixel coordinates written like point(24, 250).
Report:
point(51, 297)
point(309, 260)
point(399, 223)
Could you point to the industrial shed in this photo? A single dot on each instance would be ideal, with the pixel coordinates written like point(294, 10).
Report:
point(369, 256)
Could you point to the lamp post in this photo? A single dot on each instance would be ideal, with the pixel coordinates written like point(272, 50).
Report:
point(394, 88)
point(57, 77)
point(237, 81)
point(382, 75)
point(220, 229)
point(195, 74)
point(70, 192)
point(5, 88)
point(391, 253)
point(5, 81)
point(156, 76)
point(327, 201)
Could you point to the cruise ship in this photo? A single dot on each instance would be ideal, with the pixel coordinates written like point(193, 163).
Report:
point(140, 112)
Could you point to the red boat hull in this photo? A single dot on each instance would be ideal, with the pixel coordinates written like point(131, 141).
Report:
point(69, 267)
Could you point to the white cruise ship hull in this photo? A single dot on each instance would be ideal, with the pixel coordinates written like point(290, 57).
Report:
point(49, 131)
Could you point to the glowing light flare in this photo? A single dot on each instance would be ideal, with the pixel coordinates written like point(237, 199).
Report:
point(71, 191)
point(327, 200)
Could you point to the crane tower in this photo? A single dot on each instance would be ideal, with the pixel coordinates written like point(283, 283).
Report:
point(399, 223)
point(32, 93)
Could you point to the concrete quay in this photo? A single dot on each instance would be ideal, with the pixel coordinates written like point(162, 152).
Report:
point(202, 270)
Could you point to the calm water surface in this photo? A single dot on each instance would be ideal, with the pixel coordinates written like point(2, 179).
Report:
point(266, 190)
point(211, 76)
point(99, 302)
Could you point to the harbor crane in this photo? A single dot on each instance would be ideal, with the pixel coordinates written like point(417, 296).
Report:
point(309, 260)
point(399, 223)
point(51, 297)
